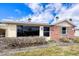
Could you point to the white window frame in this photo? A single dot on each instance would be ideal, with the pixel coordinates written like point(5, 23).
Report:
point(47, 31)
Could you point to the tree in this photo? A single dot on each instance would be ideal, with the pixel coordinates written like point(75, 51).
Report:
point(29, 19)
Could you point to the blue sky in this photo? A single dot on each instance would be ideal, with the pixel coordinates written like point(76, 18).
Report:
point(18, 10)
point(14, 10)
point(39, 12)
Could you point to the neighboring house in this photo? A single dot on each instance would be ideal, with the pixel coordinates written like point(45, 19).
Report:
point(54, 31)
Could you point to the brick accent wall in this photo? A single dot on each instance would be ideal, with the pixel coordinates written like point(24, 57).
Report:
point(71, 32)
point(56, 32)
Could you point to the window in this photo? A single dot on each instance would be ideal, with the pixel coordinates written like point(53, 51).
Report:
point(46, 31)
point(64, 30)
point(27, 31)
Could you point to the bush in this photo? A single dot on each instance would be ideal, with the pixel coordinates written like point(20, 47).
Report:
point(67, 40)
point(76, 40)
point(23, 41)
point(29, 41)
point(51, 41)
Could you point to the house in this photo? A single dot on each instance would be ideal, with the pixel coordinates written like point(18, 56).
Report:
point(54, 31)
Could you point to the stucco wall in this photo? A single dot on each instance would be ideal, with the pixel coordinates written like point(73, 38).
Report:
point(66, 24)
point(11, 30)
point(3, 26)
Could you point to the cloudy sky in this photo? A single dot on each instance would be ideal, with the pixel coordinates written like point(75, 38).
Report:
point(38, 12)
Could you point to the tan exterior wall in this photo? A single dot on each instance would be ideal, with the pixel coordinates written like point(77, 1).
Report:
point(55, 31)
point(11, 30)
point(66, 24)
point(3, 26)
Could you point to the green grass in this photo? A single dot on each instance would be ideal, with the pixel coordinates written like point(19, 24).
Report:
point(53, 51)
point(76, 40)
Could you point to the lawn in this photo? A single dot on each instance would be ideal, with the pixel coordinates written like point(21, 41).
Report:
point(38, 46)
point(53, 51)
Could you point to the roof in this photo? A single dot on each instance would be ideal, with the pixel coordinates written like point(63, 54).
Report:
point(59, 21)
point(25, 23)
point(37, 24)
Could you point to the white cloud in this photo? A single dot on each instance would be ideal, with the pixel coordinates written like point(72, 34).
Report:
point(58, 7)
point(7, 19)
point(44, 15)
point(41, 14)
point(41, 18)
point(18, 11)
point(36, 8)
point(71, 12)
point(49, 8)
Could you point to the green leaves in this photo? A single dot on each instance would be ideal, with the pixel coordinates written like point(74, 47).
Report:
point(29, 18)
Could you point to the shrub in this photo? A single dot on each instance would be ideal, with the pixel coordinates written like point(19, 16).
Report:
point(51, 41)
point(76, 40)
point(24, 41)
point(65, 40)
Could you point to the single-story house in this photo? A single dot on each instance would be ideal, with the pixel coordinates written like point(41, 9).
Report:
point(55, 31)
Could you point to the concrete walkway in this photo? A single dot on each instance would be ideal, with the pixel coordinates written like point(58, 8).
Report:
point(9, 52)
